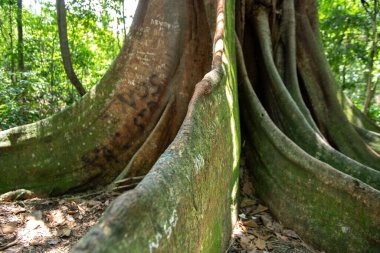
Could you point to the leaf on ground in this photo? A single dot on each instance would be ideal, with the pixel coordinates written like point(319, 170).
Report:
point(277, 227)
point(290, 233)
point(249, 210)
point(265, 237)
point(8, 228)
point(251, 237)
point(247, 202)
point(281, 237)
point(260, 209)
point(248, 188)
point(250, 223)
point(260, 244)
point(267, 220)
point(56, 217)
point(66, 232)
point(246, 243)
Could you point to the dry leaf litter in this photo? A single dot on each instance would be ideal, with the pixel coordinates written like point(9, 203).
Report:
point(51, 225)
point(256, 230)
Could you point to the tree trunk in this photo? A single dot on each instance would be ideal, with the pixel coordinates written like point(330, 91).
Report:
point(124, 25)
point(20, 41)
point(147, 110)
point(127, 120)
point(12, 60)
point(64, 45)
point(370, 91)
point(308, 171)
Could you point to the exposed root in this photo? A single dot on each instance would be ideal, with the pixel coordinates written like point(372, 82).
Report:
point(319, 83)
point(20, 194)
point(293, 122)
point(289, 175)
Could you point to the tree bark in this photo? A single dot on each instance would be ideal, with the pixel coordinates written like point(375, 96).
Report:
point(64, 45)
point(20, 40)
point(12, 57)
point(283, 147)
point(124, 25)
point(370, 91)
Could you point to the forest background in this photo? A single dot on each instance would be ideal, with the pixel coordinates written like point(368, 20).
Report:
point(34, 84)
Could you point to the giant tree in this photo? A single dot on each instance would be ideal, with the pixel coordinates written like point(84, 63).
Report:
point(317, 171)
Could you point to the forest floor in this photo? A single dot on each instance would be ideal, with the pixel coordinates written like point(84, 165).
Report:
point(54, 225)
point(50, 225)
point(257, 231)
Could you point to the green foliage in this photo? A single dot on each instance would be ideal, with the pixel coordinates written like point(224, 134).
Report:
point(95, 37)
point(347, 37)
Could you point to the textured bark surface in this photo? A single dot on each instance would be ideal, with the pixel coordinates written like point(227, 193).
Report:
point(313, 177)
point(187, 202)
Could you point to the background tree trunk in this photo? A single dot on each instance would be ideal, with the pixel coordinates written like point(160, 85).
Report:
point(64, 45)
point(11, 49)
point(20, 41)
point(370, 87)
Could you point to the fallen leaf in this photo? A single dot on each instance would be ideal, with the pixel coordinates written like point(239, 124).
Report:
point(245, 242)
point(66, 232)
point(251, 237)
point(265, 237)
point(248, 188)
point(8, 228)
point(255, 233)
point(94, 203)
point(244, 229)
point(267, 220)
point(36, 242)
point(56, 217)
point(260, 244)
point(250, 223)
point(280, 236)
point(290, 233)
point(260, 209)
point(247, 202)
point(277, 227)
